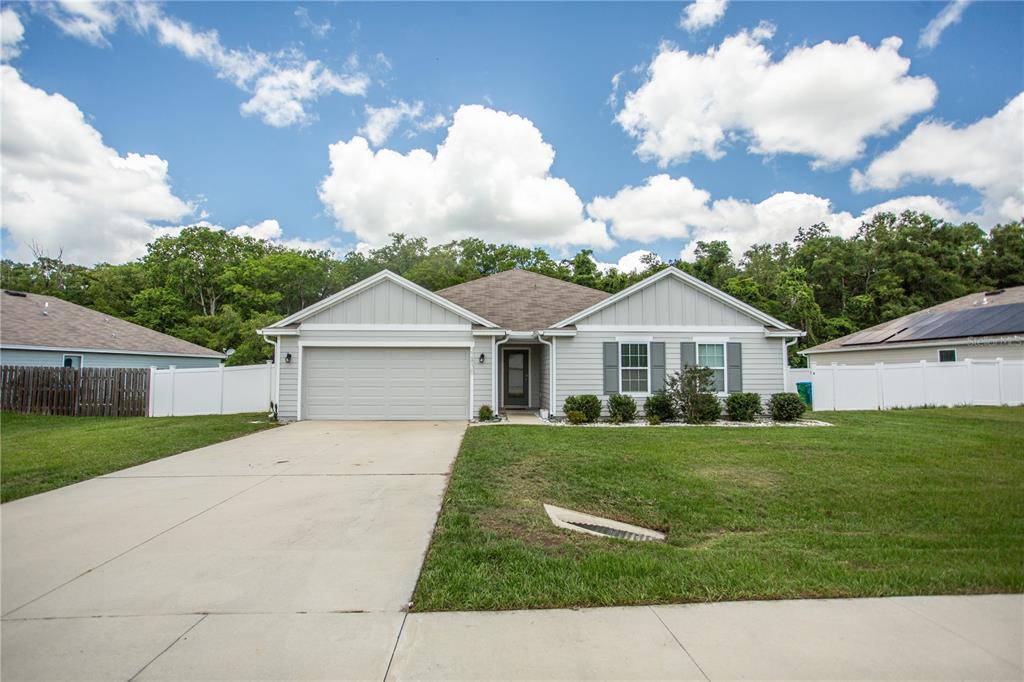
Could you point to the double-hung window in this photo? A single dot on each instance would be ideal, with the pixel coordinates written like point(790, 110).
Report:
point(634, 368)
point(712, 356)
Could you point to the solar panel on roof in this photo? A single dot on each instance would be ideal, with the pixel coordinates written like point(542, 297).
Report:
point(1004, 319)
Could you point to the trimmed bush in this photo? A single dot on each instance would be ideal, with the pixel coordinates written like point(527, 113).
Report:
point(659, 405)
point(486, 414)
point(705, 408)
point(589, 405)
point(621, 408)
point(743, 407)
point(653, 419)
point(785, 407)
point(575, 417)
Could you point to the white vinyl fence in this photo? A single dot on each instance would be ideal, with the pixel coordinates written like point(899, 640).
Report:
point(210, 390)
point(914, 384)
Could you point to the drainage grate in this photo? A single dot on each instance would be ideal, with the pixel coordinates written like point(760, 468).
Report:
point(595, 525)
point(614, 532)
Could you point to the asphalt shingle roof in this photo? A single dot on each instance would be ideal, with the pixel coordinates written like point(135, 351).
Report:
point(520, 300)
point(37, 320)
point(972, 315)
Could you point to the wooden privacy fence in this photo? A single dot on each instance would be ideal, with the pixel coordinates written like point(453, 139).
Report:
point(81, 392)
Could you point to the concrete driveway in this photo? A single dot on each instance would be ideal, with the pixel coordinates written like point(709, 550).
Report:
point(289, 553)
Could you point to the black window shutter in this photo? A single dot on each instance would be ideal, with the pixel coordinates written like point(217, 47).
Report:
point(611, 367)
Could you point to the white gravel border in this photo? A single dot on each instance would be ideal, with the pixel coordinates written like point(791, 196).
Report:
point(721, 423)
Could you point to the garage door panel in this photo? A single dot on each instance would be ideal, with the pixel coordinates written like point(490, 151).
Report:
point(385, 383)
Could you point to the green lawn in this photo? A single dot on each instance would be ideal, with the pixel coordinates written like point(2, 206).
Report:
point(927, 501)
point(39, 453)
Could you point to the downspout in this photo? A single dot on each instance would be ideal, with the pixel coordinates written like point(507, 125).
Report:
point(785, 363)
point(277, 371)
point(551, 373)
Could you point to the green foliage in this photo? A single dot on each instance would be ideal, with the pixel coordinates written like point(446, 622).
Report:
point(785, 407)
point(589, 405)
point(212, 287)
point(485, 414)
point(622, 407)
point(653, 419)
point(743, 407)
point(690, 392)
point(576, 417)
point(659, 405)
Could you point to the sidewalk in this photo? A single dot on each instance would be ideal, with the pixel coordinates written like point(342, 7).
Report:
point(951, 638)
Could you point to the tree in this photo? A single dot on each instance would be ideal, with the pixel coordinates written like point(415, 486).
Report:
point(1002, 256)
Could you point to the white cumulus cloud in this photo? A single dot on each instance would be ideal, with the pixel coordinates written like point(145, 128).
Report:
point(630, 262)
point(490, 178)
point(282, 85)
point(65, 190)
point(987, 155)
point(702, 14)
point(949, 15)
point(822, 100)
point(674, 208)
point(11, 34)
point(382, 121)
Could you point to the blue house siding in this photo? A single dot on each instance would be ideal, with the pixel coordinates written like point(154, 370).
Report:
point(55, 358)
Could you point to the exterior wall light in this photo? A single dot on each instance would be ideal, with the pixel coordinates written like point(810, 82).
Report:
point(481, 359)
point(288, 358)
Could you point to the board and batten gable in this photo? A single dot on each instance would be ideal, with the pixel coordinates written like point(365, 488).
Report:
point(386, 303)
point(668, 302)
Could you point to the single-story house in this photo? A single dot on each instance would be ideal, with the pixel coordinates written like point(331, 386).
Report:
point(982, 326)
point(386, 348)
point(44, 331)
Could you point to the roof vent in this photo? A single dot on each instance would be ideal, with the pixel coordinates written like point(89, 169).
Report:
point(595, 525)
point(19, 294)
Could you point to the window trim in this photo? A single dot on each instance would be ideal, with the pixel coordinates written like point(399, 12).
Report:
point(81, 360)
point(938, 354)
point(634, 341)
point(724, 343)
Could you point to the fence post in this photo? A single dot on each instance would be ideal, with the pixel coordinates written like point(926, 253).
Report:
point(172, 368)
point(835, 380)
point(999, 381)
point(220, 367)
point(880, 385)
point(924, 383)
point(150, 390)
point(970, 381)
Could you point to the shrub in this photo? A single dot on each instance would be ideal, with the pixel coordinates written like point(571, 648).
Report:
point(575, 417)
point(706, 408)
point(621, 407)
point(786, 407)
point(659, 405)
point(743, 407)
point(589, 405)
point(691, 396)
point(653, 419)
point(486, 413)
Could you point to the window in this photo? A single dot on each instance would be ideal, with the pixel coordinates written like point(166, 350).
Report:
point(947, 355)
point(634, 366)
point(712, 355)
point(73, 361)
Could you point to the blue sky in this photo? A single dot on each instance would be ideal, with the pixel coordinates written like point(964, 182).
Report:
point(741, 141)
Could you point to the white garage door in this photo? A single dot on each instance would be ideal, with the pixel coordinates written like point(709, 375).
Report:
point(385, 383)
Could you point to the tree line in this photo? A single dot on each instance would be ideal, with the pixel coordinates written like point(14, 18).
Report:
point(215, 289)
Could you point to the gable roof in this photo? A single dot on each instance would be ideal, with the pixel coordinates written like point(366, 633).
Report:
point(690, 280)
point(383, 275)
point(980, 314)
point(521, 300)
point(34, 320)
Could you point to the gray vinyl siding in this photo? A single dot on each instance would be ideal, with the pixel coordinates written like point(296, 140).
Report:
point(386, 303)
point(579, 361)
point(964, 351)
point(55, 358)
point(668, 302)
point(544, 369)
point(482, 373)
point(288, 379)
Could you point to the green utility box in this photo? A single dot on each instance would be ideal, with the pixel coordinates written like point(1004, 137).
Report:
point(803, 389)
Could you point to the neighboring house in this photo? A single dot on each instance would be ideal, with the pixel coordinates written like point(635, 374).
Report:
point(983, 326)
point(44, 331)
point(386, 348)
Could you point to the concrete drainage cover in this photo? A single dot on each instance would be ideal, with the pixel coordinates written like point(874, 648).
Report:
point(595, 525)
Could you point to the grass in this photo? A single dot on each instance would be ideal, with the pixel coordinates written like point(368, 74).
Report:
point(927, 501)
point(40, 453)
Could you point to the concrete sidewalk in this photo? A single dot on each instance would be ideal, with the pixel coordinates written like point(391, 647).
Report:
point(933, 638)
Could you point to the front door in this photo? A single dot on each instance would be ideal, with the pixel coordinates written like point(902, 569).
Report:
point(517, 378)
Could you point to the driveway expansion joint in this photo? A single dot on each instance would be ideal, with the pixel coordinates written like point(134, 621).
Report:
point(681, 645)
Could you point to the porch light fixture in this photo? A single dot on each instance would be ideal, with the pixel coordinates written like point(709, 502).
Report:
point(481, 359)
point(288, 358)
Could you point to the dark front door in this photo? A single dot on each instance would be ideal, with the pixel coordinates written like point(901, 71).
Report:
point(517, 378)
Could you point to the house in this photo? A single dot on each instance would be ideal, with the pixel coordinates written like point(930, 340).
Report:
point(386, 348)
point(45, 331)
point(982, 326)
